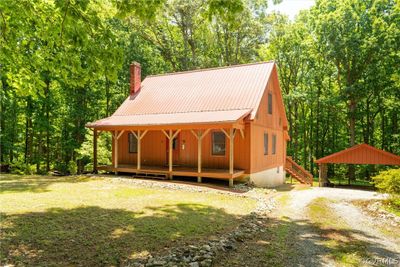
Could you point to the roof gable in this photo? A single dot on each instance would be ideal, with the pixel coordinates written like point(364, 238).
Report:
point(217, 95)
point(362, 154)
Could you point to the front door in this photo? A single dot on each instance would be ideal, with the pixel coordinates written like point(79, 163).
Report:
point(175, 150)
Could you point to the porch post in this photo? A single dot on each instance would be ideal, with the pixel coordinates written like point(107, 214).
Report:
point(199, 136)
point(231, 144)
point(115, 151)
point(199, 140)
point(171, 140)
point(171, 136)
point(323, 174)
point(139, 137)
point(94, 151)
point(116, 137)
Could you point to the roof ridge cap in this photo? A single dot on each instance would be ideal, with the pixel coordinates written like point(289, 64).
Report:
point(209, 69)
point(194, 111)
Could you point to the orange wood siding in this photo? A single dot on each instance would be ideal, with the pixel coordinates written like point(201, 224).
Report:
point(272, 124)
point(153, 149)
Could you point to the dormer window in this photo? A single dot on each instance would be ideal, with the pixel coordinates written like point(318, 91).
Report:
point(269, 103)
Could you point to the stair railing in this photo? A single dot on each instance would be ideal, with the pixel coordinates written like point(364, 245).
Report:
point(306, 175)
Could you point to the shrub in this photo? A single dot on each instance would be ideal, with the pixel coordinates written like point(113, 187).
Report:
point(389, 182)
point(72, 167)
point(20, 168)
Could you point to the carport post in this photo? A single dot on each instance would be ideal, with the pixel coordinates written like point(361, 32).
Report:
point(323, 173)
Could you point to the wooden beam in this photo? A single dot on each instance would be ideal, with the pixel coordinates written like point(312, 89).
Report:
point(176, 133)
point(194, 133)
point(231, 144)
point(166, 134)
point(199, 133)
point(170, 135)
point(133, 132)
point(170, 151)
point(138, 155)
point(199, 141)
point(199, 136)
point(227, 135)
point(241, 133)
point(116, 151)
point(139, 136)
point(95, 151)
point(323, 174)
point(143, 134)
point(120, 134)
point(204, 133)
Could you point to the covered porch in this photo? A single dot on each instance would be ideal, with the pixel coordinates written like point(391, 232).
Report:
point(232, 131)
point(151, 171)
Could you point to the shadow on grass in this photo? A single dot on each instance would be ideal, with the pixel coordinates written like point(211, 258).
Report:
point(34, 183)
point(94, 236)
point(218, 184)
point(303, 243)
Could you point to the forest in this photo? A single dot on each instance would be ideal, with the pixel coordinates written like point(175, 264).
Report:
point(64, 63)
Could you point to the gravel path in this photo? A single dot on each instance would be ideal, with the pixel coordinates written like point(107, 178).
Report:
point(363, 227)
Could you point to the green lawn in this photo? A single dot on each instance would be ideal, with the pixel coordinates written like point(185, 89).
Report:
point(85, 221)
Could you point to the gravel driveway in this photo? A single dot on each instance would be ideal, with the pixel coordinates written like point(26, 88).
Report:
point(382, 248)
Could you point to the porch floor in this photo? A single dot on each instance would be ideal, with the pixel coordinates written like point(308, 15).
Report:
point(176, 171)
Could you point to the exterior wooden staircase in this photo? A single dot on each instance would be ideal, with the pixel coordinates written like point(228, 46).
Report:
point(298, 172)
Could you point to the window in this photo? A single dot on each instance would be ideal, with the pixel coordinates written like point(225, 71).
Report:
point(265, 144)
point(175, 143)
point(218, 144)
point(273, 144)
point(269, 103)
point(132, 141)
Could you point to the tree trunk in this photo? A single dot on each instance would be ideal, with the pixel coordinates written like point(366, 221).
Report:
point(352, 129)
point(47, 110)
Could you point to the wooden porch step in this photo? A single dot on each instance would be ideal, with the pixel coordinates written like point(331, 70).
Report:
point(298, 172)
point(154, 175)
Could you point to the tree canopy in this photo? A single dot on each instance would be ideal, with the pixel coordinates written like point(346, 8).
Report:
point(64, 63)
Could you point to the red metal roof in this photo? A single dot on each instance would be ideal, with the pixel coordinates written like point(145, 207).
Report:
point(200, 96)
point(362, 154)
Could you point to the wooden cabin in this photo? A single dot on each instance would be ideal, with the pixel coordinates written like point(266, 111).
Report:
point(222, 123)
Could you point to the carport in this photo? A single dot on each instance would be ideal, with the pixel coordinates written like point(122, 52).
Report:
point(358, 154)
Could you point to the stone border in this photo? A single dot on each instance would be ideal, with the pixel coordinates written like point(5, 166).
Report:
point(204, 253)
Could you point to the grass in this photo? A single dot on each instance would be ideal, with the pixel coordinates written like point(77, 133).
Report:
point(83, 221)
point(391, 208)
point(384, 226)
point(344, 248)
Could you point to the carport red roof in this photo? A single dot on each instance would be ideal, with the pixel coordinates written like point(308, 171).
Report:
point(362, 154)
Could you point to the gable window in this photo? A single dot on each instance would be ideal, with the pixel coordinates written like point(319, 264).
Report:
point(132, 141)
point(269, 103)
point(265, 144)
point(273, 144)
point(218, 144)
